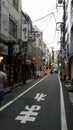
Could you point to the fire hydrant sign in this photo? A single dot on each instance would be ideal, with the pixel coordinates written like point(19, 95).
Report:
point(31, 113)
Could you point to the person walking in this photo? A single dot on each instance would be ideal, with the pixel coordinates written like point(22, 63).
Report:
point(3, 79)
point(51, 70)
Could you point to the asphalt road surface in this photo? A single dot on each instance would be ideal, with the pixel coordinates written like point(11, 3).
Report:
point(38, 106)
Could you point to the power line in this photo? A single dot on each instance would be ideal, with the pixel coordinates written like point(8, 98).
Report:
point(55, 29)
point(42, 17)
point(46, 24)
point(42, 14)
point(54, 17)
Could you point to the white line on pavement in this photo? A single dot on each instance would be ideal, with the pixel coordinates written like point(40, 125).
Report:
point(63, 114)
point(10, 102)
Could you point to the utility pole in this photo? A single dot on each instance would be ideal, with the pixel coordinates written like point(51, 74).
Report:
point(64, 23)
point(63, 73)
point(63, 41)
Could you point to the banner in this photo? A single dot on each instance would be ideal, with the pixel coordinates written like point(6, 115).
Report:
point(25, 32)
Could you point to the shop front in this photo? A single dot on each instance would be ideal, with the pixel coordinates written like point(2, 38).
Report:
point(4, 57)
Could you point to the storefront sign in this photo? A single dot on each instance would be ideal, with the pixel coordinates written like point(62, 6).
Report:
point(3, 49)
point(4, 17)
point(65, 53)
point(16, 49)
point(25, 32)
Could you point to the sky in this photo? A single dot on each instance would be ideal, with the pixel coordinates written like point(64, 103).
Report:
point(37, 9)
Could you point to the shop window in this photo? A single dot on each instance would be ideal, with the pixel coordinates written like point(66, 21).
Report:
point(12, 28)
point(15, 4)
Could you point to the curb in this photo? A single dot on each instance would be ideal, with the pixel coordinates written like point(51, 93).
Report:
point(9, 89)
point(69, 89)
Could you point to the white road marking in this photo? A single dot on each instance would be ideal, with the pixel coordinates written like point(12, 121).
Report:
point(40, 96)
point(29, 114)
point(63, 114)
point(20, 95)
point(6, 105)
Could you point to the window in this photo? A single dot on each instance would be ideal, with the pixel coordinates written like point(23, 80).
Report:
point(15, 4)
point(12, 28)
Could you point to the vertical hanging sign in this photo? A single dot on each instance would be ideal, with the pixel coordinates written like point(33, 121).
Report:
point(24, 32)
point(4, 17)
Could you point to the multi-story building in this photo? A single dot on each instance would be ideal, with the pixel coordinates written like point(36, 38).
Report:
point(68, 33)
point(28, 48)
point(20, 42)
point(69, 37)
point(38, 47)
point(10, 34)
point(4, 29)
point(45, 57)
point(65, 36)
point(10, 19)
point(33, 45)
point(14, 20)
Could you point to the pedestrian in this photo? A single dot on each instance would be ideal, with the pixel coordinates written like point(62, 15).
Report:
point(52, 71)
point(3, 79)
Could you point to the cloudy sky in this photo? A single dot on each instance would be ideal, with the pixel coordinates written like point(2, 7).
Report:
point(37, 9)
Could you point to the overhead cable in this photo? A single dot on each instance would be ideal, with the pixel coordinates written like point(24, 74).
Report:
point(43, 17)
point(47, 24)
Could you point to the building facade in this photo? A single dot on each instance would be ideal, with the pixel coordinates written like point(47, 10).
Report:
point(39, 47)
point(69, 36)
point(21, 43)
point(10, 35)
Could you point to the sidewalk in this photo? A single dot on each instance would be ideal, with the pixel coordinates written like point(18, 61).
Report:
point(68, 102)
point(70, 92)
point(9, 88)
point(69, 89)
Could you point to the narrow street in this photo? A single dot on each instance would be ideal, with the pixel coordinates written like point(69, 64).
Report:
point(36, 106)
point(36, 65)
